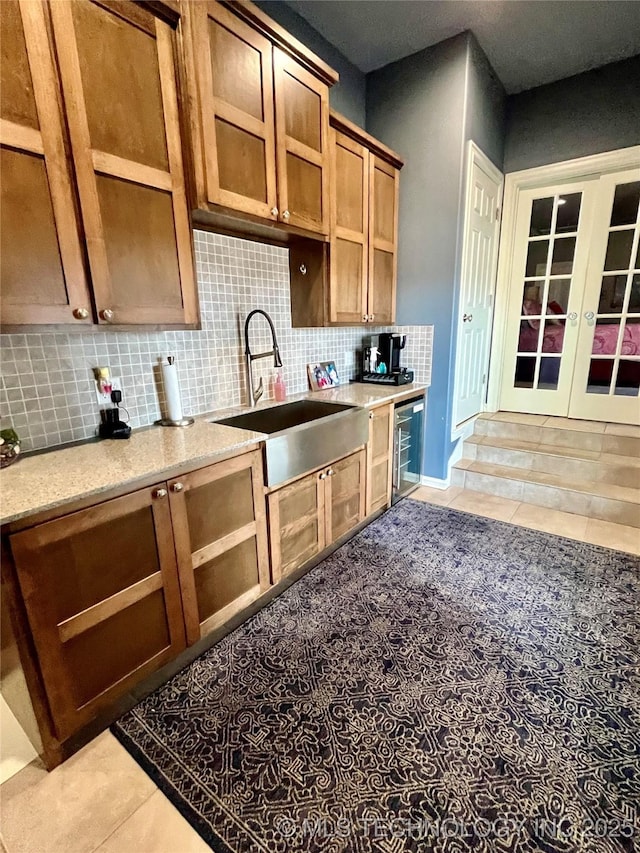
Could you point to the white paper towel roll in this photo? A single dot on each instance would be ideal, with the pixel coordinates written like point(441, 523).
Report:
point(172, 390)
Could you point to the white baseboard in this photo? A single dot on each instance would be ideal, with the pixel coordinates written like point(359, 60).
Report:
point(435, 483)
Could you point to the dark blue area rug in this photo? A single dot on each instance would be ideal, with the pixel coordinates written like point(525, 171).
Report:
point(443, 682)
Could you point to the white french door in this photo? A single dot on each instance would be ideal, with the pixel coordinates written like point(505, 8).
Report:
point(607, 373)
point(572, 342)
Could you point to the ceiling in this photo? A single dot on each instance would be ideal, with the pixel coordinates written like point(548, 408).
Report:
point(528, 42)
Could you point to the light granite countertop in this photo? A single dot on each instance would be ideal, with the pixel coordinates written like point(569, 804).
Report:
point(52, 479)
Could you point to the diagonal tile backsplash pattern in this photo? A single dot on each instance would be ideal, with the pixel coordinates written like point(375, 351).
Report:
point(47, 388)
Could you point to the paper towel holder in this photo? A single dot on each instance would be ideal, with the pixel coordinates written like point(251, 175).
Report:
point(168, 422)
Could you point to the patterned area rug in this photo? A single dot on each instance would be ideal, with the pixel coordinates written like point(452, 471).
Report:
point(443, 682)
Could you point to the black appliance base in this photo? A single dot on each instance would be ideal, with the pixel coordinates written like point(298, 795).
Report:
point(404, 378)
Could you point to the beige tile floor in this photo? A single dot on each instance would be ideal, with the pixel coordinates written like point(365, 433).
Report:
point(100, 801)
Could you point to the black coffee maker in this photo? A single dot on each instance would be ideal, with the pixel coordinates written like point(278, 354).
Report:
point(389, 346)
point(381, 360)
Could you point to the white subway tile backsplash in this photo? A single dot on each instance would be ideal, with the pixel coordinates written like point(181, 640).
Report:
point(47, 389)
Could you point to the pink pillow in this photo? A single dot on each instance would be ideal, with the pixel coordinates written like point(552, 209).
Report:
point(532, 306)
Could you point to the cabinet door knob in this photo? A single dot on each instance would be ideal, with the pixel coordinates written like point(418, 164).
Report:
point(303, 269)
point(274, 211)
point(286, 214)
point(107, 314)
point(80, 313)
point(323, 476)
point(371, 416)
point(176, 487)
point(372, 317)
point(160, 493)
point(365, 319)
point(330, 472)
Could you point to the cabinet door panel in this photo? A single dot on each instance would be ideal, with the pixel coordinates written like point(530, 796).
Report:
point(42, 276)
point(220, 533)
point(383, 239)
point(118, 78)
point(297, 524)
point(379, 458)
point(345, 495)
point(234, 66)
point(102, 597)
point(349, 230)
point(302, 137)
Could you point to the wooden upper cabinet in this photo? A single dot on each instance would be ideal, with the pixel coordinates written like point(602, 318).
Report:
point(349, 230)
point(259, 122)
point(118, 78)
point(42, 274)
point(355, 282)
point(100, 587)
point(383, 240)
point(234, 63)
point(302, 137)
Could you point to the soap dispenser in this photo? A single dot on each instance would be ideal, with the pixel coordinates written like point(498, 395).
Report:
point(279, 387)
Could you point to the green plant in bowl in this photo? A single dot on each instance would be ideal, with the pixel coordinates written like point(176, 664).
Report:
point(9, 447)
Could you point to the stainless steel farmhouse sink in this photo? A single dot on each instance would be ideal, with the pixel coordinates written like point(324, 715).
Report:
point(304, 435)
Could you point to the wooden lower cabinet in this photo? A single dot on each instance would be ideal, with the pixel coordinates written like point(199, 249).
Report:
point(100, 587)
point(220, 533)
point(379, 458)
point(308, 515)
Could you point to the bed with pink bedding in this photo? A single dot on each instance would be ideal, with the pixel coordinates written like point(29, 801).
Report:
point(605, 338)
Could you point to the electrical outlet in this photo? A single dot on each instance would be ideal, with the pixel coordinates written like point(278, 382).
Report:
point(104, 400)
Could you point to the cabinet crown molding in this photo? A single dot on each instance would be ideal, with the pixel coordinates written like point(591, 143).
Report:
point(341, 123)
point(283, 39)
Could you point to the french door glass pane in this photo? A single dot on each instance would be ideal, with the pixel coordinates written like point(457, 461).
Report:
point(600, 373)
point(549, 373)
point(537, 258)
point(619, 250)
point(625, 204)
point(541, 213)
point(605, 338)
point(628, 378)
point(568, 213)
point(563, 251)
point(634, 297)
point(612, 292)
point(525, 372)
point(558, 299)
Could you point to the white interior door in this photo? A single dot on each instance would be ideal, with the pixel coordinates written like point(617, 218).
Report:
point(479, 261)
point(548, 276)
point(606, 380)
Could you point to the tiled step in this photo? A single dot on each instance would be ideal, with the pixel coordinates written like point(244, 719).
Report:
point(570, 463)
point(595, 499)
point(596, 436)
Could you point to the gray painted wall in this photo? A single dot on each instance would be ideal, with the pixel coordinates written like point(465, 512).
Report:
point(349, 95)
point(426, 107)
point(486, 105)
point(416, 106)
point(587, 114)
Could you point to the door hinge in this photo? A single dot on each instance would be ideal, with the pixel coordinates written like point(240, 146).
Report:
point(484, 378)
point(498, 214)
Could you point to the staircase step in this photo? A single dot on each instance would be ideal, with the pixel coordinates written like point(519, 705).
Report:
point(606, 501)
point(571, 463)
point(619, 439)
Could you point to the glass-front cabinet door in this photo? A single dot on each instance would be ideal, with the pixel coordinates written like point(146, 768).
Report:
point(607, 373)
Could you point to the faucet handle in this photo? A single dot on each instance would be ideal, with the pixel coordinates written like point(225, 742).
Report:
point(259, 391)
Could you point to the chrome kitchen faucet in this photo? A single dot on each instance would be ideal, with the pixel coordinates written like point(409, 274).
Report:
point(256, 393)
